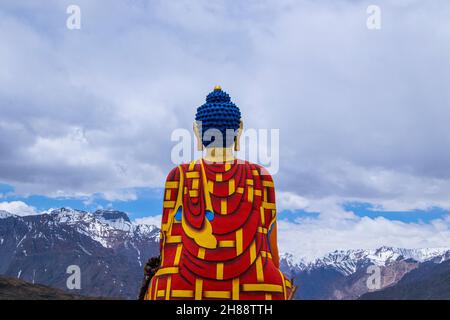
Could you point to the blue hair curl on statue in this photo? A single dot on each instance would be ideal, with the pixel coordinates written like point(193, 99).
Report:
point(221, 114)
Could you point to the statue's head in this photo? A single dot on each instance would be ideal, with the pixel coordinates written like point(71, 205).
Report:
point(218, 121)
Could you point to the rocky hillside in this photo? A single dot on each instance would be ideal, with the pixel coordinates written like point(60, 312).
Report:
point(15, 289)
point(345, 274)
point(430, 281)
point(109, 250)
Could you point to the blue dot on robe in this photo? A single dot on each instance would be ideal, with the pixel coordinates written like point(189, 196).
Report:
point(209, 215)
point(178, 214)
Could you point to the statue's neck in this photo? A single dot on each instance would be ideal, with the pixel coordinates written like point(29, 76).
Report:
point(219, 154)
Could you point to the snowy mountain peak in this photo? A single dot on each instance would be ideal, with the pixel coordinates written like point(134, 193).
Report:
point(66, 212)
point(5, 214)
point(348, 261)
point(102, 226)
point(112, 215)
point(385, 254)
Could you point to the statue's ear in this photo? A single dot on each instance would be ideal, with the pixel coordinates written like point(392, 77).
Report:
point(237, 139)
point(198, 136)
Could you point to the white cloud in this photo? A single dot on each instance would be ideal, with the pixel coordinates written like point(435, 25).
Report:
point(290, 201)
point(151, 220)
point(360, 117)
point(18, 208)
point(120, 195)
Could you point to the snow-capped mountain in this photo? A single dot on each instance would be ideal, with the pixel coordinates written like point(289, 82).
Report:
point(343, 274)
point(4, 214)
point(109, 249)
point(103, 226)
point(349, 261)
point(430, 281)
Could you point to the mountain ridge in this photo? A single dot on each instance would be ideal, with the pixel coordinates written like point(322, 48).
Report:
point(111, 251)
point(431, 281)
point(347, 261)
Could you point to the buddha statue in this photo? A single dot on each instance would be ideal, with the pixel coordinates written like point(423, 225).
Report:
point(218, 231)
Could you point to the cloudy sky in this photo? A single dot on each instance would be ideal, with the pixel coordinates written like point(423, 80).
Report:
point(87, 115)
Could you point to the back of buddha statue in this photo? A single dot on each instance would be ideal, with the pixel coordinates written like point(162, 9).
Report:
point(218, 231)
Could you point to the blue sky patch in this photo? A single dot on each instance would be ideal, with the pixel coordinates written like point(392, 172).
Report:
point(368, 210)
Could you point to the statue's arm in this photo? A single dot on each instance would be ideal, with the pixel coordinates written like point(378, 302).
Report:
point(274, 245)
point(269, 198)
point(170, 198)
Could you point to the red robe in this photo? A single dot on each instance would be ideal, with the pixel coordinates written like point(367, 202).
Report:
point(215, 235)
